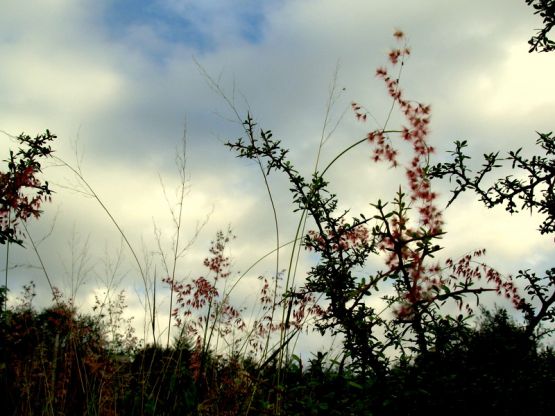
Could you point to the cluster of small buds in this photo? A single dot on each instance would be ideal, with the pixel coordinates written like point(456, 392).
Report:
point(219, 263)
point(359, 114)
point(344, 238)
point(14, 200)
point(396, 243)
point(191, 312)
point(304, 305)
point(415, 132)
point(22, 192)
point(467, 271)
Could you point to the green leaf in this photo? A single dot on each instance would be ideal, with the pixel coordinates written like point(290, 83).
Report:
point(355, 385)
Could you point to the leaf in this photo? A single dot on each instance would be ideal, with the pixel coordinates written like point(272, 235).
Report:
point(355, 385)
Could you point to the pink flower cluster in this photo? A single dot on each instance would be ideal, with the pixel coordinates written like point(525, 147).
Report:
point(467, 270)
point(201, 295)
point(15, 198)
point(402, 244)
point(344, 238)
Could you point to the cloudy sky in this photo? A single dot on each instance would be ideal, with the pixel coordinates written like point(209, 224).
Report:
point(119, 81)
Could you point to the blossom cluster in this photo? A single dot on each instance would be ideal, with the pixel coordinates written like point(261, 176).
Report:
point(21, 192)
point(202, 295)
point(408, 248)
point(343, 238)
point(467, 270)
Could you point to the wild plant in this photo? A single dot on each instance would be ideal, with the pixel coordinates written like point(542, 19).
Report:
point(117, 328)
point(58, 361)
point(221, 362)
point(203, 313)
point(142, 267)
point(406, 232)
point(21, 191)
point(534, 194)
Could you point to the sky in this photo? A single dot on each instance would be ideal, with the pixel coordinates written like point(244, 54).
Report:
point(122, 82)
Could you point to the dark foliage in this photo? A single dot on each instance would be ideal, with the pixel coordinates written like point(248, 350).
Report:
point(53, 361)
point(546, 10)
point(160, 383)
point(497, 369)
point(56, 362)
point(333, 276)
point(536, 193)
point(21, 193)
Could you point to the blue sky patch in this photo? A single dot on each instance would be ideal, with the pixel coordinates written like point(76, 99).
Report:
point(187, 24)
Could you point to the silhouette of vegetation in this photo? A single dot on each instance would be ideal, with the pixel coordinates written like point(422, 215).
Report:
point(56, 362)
point(546, 10)
point(422, 286)
point(535, 194)
point(494, 369)
point(427, 351)
point(19, 181)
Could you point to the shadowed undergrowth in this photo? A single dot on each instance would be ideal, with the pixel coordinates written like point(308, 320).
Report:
point(58, 362)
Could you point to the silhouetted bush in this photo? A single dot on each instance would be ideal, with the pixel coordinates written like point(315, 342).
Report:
point(497, 370)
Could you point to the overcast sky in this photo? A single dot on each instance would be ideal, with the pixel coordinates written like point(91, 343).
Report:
point(120, 80)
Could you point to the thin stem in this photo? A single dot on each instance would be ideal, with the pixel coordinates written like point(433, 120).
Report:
point(125, 239)
point(35, 248)
point(5, 305)
point(248, 130)
point(181, 166)
point(336, 158)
